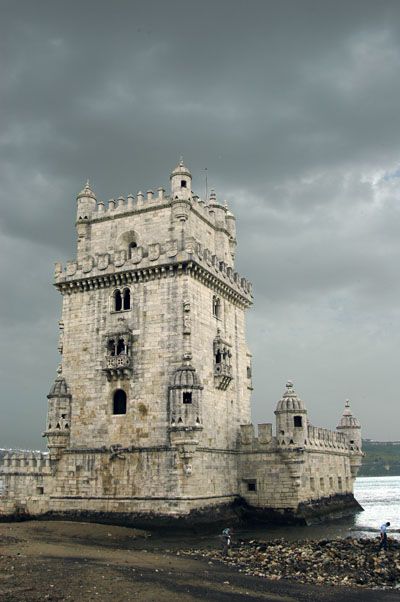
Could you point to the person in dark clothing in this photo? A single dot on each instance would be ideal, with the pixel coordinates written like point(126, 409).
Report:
point(226, 541)
point(383, 541)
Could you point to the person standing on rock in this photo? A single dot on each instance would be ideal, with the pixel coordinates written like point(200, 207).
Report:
point(226, 541)
point(383, 542)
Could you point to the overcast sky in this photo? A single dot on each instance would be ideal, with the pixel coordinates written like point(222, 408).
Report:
point(293, 107)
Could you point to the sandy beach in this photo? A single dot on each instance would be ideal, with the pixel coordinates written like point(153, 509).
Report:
point(57, 561)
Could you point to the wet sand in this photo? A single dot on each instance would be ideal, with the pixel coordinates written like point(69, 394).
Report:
point(57, 561)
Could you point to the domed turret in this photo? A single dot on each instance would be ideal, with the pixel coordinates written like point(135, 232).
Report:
point(350, 426)
point(86, 203)
point(185, 399)
point(291, 418)
point(181, 182)
point(58, 416)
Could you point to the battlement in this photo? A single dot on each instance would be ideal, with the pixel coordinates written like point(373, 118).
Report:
point(25, 462)
point(153, 260)
point(317, 438)
point(216, 214)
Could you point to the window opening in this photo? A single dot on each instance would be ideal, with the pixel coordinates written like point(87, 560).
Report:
point(119, 402)
point(40, 490)
point(111, 347)
point(121, 347)
point(132, 245)
point(252, 486)
point(118, 300)
point(187, 397)
point(298, 421)
point(248, 372)
point(183, 184)
point(127, 298)
point(218, 357)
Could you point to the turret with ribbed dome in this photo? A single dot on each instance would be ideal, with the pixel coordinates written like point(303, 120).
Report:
point(86, 203)
point(291, 418)
point(58, 416)
point(185, 398)
point(181, 182)
point(350, 426)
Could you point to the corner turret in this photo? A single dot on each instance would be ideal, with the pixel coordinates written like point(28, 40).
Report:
point(86, 203)
point(58, 416)
point(351, 428)
point(181, 182)
point(291, 418)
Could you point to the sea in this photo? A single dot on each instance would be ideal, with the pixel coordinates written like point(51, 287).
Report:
point(380, 500)
point(378, 496)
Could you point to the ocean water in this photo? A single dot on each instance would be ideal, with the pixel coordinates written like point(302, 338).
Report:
point(380, 499)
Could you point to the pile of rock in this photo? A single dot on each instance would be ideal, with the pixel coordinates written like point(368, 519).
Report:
point(351, 562)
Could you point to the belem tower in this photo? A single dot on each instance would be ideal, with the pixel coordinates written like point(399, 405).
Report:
point(149, 415)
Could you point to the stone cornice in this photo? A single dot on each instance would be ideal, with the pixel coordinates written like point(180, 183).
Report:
point(232, 288)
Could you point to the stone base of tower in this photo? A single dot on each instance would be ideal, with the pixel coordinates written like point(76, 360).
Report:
point(307, 513)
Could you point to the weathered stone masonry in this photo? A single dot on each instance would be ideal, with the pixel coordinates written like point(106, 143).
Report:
point(149, 416)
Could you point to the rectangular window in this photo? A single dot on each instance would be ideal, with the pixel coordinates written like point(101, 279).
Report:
point(321, 483)
point(40, 490)
point(251, 485)
point(339, 482)
point(331, 482)
point(187, 398)
point(312, 483)
point(298, 421)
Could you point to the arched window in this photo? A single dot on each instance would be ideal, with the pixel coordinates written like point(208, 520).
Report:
point(111, 347)
point(119, 402)
point(118, 300)
point(121, 347)
point(127, 298)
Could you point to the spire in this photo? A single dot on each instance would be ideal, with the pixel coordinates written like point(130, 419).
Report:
point(86, 192)
point(348, 420)
point(290, 401)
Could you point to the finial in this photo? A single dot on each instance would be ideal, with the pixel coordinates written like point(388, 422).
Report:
point(289, 384)
point(347, 403)
point(59, 369)
point(87, 183)
point(181, 161)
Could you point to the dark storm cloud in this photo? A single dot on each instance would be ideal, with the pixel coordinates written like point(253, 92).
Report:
point(292, 107)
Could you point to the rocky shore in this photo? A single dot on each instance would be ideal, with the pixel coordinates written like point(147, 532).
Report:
point(350, 562)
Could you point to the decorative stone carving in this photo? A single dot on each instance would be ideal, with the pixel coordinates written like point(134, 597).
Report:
point(154, 251)
point(103, 261)
point(171, 248)
point(119, 258)
point(87, 264)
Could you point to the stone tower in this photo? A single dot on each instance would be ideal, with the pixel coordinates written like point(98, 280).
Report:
point(149, 415)
point(154, 354)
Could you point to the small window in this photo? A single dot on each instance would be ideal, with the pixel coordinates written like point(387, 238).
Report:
point(312, 484)
point(40, 490)
point(298, 421)
point(322, 483)
point(216, 307)
point(117, 300)
point(119, 402)
point(248, 371)
point(183, 184)
point(218, 357)
point(251, 486)
point(187, 397)
point(127, 298)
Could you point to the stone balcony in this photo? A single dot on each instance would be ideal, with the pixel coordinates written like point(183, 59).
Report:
point(118, 366)
point(222, 375)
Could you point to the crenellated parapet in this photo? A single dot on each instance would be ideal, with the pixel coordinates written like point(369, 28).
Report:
point(149, 262)
point(324, 438)
point(25, 463)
